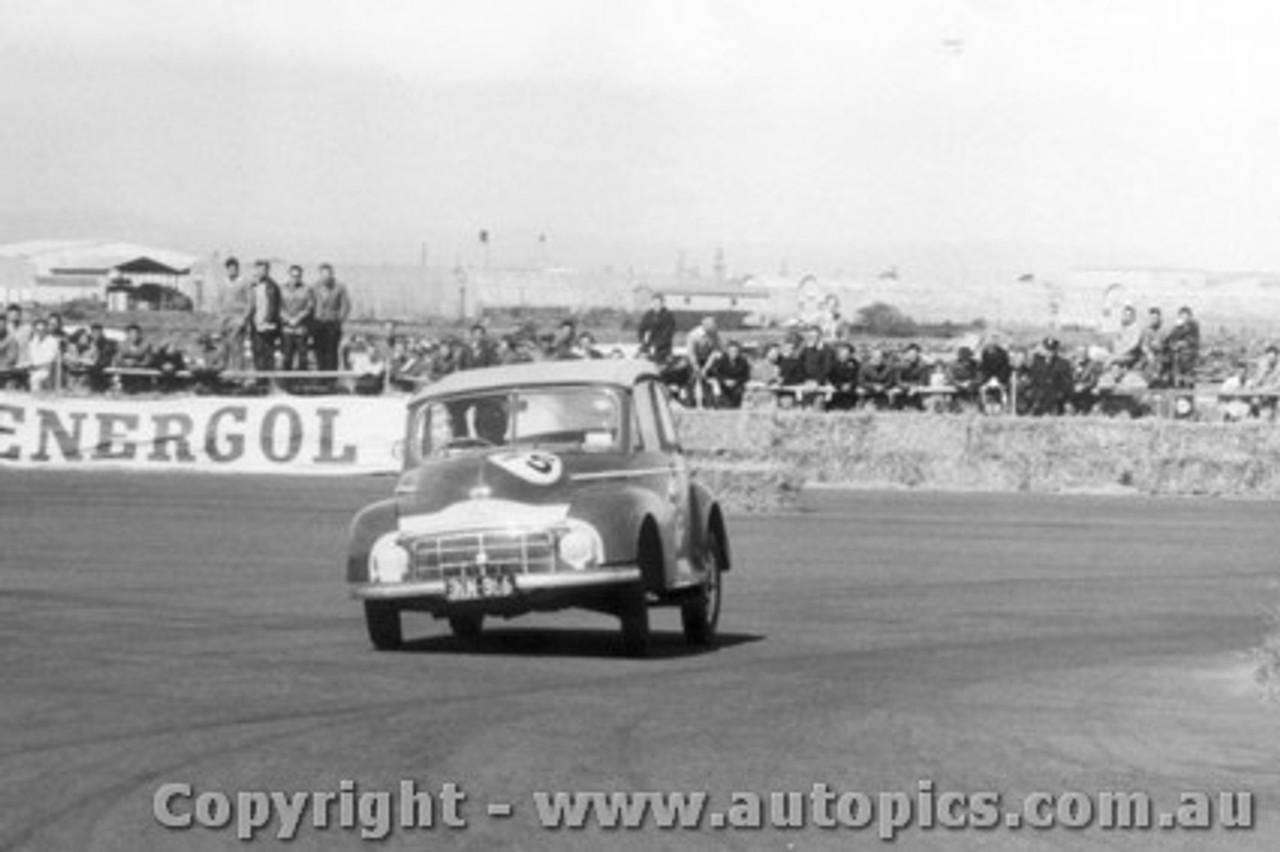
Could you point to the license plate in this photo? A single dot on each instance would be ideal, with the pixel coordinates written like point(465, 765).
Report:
point(478, 588)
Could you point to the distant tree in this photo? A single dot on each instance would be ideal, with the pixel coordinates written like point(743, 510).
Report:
point(881, 318)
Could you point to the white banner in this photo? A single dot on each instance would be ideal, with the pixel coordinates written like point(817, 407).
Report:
point(277, 434)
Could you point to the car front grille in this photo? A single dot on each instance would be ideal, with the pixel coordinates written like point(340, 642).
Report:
point(487, 553)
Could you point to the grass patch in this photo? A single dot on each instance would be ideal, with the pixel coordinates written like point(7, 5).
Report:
point(756, 449)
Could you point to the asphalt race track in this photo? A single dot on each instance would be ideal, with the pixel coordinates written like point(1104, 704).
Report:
point(158, 629)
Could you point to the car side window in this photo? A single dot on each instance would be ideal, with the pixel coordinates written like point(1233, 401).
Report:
point(645, 418)
point(670, 441)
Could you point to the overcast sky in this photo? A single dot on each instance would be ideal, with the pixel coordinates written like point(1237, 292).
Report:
point(1148, 128)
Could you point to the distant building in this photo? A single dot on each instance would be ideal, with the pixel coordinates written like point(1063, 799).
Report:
point(56, 271)
point(732, 303)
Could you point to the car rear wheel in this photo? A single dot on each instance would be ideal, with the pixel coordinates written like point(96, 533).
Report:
point(701, 616)
point(383, 621)
point(633, 612)
point(468, 625)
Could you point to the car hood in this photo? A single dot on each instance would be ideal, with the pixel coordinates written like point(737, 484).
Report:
point(527, 476)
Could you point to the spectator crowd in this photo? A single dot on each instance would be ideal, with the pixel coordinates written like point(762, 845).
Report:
point(296, 333)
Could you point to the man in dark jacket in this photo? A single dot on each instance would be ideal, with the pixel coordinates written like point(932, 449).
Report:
point(815, 356)
point(843, 377)
point(657, 331)
point(1052, 380)
point(731, 371)
point(479, 351)
point(912, 374)
point(878, 380)
point(965, 375)
point(1183, 347)
point(263, 318)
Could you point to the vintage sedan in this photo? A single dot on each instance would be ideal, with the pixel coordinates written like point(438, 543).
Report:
point(538, 487)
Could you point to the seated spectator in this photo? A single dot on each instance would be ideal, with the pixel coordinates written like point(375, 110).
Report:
point(995, 370)
point(13, 376)
point(703, 349)
point(1156, 366)
point(843, 378)
point(878, 381)
point(965, 375)
point(768, 372)
point(730, 375)
point(790, 376)
point(43, 358)
point(912, 374)
point(369, 365)
point(1266, 374)
point(1127, 351)
point(587, 346)
point(678, 376)
point(447, 358)
point(170, 359)
point(563, 345)
point(87, 360)
point(1235, 407)
point(400, 366)
point(479, 351)
point(1088, 372)
point(1182, 348)
point(212, 358)
point(1052, 380)
point(134, 354)
point(815, 356)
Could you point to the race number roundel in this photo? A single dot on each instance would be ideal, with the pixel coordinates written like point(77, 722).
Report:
point(532, 466)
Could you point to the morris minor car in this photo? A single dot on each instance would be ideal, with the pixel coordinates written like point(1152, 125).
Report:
point(539, 487)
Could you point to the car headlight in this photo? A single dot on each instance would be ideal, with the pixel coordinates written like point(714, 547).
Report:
point(388, 561)
point(580, 546)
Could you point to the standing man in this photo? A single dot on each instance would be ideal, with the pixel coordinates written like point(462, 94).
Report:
point(657, 331)
point(332, 307)
point(263, 319)
point(297, 307)
point(233, 301)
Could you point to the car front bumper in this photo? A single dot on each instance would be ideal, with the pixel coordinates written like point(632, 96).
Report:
point(567, 581)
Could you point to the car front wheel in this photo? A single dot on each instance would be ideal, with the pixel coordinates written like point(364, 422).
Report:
point(383, 621)
point(701, 616)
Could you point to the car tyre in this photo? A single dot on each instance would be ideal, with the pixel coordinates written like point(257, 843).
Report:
point(633, 612)
point(701, 617)
point(467, 625)
point(383, 621)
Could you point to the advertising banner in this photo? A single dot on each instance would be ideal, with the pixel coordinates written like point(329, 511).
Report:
point(277, 434)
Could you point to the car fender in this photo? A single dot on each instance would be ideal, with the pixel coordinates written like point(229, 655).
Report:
point(372, 521)
point(619, 514)
point(708, 520)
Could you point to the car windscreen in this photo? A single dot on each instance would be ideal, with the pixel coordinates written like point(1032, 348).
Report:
point(583, 417)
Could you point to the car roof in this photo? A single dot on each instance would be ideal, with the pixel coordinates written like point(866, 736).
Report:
point(609, 371)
